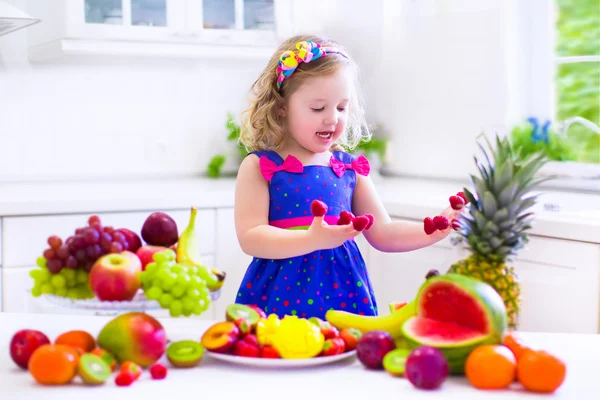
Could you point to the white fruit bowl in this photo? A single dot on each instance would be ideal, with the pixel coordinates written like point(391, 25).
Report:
point(138, 303)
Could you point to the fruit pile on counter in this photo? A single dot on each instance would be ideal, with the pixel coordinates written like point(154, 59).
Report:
point(456, 325)
point(111, 264)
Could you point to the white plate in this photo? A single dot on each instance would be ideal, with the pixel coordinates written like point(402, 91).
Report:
point(280, 362)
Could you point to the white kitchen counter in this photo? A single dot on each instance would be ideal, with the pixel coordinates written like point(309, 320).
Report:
point(577, 219)
point(213, 379)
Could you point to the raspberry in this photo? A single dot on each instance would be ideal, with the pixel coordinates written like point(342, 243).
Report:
point(429, 226)
point(462, 195)
point(457, 202)
point(124, 378)
point(441, 222)
point(158, 371)
point(318, 208)
point(361, 222)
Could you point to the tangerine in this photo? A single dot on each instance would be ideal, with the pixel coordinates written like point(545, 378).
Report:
point(540, 371)
point(491, 367)
point(515, 344)
point(78, 339)
point(53, 364)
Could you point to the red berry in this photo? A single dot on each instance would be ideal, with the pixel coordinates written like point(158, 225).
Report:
point(462, 195)
point(244, 349)
point(360, 222)
point(456, 202)
point(124, 378)
point(345, 218)
point(429, 226)
point(318, 208)
point(158, 371)
point(268, 352)
point(440, 222)
point(251, 340)
point(371, 221)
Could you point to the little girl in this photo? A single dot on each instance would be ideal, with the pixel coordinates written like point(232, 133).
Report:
point(306, 104)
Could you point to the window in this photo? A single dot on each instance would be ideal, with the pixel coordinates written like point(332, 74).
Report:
point(556, 46)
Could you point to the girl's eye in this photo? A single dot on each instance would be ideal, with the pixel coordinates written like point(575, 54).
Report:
point(341, 109)
point(318, 109)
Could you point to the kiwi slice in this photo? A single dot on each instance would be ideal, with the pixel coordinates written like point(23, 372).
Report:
point(235, 311)
point(92, 369)
point(185, 353)
point(395, 361)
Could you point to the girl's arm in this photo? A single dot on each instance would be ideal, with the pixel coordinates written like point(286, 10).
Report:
point(387, 235)
point(259, 239)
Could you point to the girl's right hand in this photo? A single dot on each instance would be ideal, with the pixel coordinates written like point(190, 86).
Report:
point(324, 236)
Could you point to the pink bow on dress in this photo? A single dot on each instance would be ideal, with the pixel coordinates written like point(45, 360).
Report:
point(360, 165)
point(268, 167)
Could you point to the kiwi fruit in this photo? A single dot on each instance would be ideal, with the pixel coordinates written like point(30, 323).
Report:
point(236, 311)
point(92, 369)
point(394, 361)
point(185, 353)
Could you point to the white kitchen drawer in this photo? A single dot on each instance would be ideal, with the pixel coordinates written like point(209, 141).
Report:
point(24, 238)
point(17, 298)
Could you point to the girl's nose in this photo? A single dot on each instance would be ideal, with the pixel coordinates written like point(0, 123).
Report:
point(331, 118)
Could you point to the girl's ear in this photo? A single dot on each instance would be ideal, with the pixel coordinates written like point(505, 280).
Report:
point(283, 110)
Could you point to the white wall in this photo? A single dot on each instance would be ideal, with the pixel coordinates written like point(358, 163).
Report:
point(435, 74)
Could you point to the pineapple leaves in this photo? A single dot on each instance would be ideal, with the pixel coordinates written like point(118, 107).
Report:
point(469, 196)
point(489, 205)
point(508, 193)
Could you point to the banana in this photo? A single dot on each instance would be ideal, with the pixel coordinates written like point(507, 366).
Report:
point(391, 323)
point(188, 253)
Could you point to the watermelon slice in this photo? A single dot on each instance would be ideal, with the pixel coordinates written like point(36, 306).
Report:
point(456, 314)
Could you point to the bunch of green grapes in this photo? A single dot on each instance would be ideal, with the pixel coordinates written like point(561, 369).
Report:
point(176, 287)
point(71, 283)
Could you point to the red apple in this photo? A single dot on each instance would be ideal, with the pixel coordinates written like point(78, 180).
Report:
point(24, 343)
point(145, 254)
point(132, 238)
point(116, 276)
point(220, 337)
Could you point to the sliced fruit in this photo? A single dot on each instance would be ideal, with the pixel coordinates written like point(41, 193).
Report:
point(92, 369)
point(220, 337)
point(185, 353)
point(396, 305)
point(108, 358)
point(456, 314)
point(394, 362)
point(235, 311)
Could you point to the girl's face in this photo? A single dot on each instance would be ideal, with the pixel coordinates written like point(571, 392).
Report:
point(316, 113)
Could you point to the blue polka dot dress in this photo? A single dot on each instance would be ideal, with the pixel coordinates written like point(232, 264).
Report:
point(309, 285)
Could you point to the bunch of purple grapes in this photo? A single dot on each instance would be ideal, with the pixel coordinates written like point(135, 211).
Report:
point(87, 245)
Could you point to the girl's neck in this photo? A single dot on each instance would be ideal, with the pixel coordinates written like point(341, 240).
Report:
point(305, 156)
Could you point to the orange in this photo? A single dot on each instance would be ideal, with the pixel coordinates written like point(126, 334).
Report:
point(515, 344)
point(491, 367)
point(53, 364)
point(78, 339)
point(540, 371)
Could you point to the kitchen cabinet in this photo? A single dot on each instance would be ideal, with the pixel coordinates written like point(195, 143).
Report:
point(162, 28)
point(560, 280)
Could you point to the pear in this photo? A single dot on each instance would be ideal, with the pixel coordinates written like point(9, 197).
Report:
point(188, 253)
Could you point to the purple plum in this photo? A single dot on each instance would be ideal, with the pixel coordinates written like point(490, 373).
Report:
point(426, 368)
point(160, 229)
point(372, 347)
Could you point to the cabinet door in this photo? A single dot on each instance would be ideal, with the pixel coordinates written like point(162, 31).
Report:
point(146, 20)
point(230, 258)
point(560, 286)
point(401, 274)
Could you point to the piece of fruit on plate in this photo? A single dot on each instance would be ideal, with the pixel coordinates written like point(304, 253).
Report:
point(456, 314)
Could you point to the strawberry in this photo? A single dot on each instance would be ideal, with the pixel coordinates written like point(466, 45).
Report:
point(440, 222)
point(130, 366)
point(371, 221)
point(158, 371)
point(333, 346)
point(350, 336)
point(259, 310)
point(462, 195)
point(456, 202)
point(244, 349)
point(455, 224)
point(269, 352)
point(329, 331)
point(318, 208)
point(360, 222)
point(243, 325)
point(251, 340)
point(345, 218)
point(429, 226)
point(124, 378)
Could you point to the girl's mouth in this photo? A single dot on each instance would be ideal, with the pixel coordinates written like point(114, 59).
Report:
point(325, 135)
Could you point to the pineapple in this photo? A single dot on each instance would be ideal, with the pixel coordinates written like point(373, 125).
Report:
point(494, 225)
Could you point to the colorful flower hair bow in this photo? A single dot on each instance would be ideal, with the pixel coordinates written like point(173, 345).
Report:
point(307, 51)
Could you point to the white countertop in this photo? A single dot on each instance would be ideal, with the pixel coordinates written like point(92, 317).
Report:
point(578, 218)
point(213, 379)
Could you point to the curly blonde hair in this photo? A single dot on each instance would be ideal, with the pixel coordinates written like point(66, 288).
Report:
point(262, 126)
